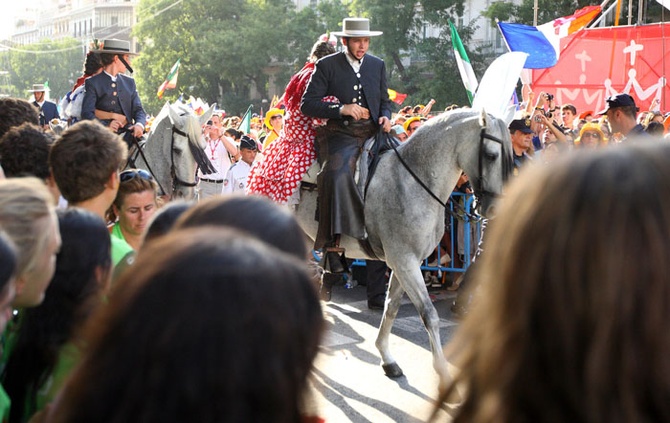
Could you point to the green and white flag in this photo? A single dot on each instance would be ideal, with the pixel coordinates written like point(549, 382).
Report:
point(464, 66)
point(245, 123)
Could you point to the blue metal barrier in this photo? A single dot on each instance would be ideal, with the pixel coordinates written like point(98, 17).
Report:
point(471, 235)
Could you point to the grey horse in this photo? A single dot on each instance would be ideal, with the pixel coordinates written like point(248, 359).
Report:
point(404, 222)
point(174, 148)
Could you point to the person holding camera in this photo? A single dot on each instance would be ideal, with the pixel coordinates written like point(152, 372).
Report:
point(221, 152)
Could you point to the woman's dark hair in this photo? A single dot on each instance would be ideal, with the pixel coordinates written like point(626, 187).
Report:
point(92, 64)
point(655, 128)
point(165, 218)
point(257, 216)
point(83, 263)
point(234, 133)
point(8, 260)
point(320, 49)
point(211, 326)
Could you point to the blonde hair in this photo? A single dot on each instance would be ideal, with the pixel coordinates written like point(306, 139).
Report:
point(24, 202)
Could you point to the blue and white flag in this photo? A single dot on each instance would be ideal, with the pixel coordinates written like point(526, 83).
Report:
point(528, 39)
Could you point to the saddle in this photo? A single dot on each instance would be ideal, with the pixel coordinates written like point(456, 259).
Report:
point(366, 165)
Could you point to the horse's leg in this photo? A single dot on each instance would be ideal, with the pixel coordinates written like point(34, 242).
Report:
point(391, 368)
point(412, 283)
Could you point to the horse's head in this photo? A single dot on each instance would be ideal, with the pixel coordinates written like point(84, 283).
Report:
point(492, 163)
point(187, 149)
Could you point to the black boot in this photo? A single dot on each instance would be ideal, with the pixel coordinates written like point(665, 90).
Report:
point(334, 261)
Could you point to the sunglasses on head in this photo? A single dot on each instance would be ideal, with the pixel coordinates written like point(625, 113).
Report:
point(129, 174)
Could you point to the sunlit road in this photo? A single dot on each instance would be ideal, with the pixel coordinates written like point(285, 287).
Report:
point(349, 383)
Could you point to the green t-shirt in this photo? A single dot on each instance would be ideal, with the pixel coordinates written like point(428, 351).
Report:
point(120, 248)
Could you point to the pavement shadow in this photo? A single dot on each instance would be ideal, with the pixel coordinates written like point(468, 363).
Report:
point(337, 394)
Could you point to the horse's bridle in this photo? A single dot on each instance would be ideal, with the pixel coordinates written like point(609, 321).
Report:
point(176, 181)
point(506, 164)
point(480, 191)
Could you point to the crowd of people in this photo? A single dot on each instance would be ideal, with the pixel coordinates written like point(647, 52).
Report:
point(209, 310)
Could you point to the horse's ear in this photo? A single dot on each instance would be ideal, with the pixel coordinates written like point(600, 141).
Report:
point(483, 118)
point(207, 115)
point(174, 115)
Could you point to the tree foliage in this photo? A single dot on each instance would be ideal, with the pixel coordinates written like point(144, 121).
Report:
point(59, 63)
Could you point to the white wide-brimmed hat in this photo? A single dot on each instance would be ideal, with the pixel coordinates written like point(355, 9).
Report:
point(38, 88)
point(356, 27)
point(112, 46)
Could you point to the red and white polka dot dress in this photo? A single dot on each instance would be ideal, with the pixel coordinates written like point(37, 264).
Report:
point(288, 157)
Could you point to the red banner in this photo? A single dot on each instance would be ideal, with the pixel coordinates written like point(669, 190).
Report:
point(597, 63)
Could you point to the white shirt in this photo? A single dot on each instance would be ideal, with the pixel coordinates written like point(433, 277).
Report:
point(236, 178)
point(218, 156)
point(354, 62)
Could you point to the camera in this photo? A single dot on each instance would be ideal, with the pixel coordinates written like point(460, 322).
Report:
point(538, 118)
point(548, 114)
point(550, 97)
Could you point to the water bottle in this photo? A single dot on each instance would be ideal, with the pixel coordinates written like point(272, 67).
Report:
point(351, 282)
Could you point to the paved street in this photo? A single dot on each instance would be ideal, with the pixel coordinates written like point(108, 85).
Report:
point(350, 385)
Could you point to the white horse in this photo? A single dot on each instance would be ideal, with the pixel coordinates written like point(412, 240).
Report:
point(405, 221)
point(174, 149)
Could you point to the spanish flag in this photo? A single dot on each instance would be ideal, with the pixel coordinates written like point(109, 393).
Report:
point(396, 97)
point(171, 80)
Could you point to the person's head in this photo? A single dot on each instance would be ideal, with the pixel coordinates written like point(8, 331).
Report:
point(248, 149)
point(24, 151)
point(355, 36)
point(521, 135)
point(568, 113)
point(136, 201)
point(38, 92)
point(212, 326)
point(233, 133)
point(399, 132)
point(257, 216)
point(85, 161)
point(274, 119)
point(655, 129)
point(164, 219)
point(14, 112)
point(559, 305)
point(591, 136)
point(321, 49)
point(621, 113)
point(29, 219)
point(412, 124)
point(8, 264)
point(116, 55)
point(356, 46)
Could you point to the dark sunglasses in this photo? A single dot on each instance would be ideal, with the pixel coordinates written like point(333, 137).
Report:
point(129, 174)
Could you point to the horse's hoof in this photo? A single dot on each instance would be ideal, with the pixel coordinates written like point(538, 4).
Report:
point(392, 370)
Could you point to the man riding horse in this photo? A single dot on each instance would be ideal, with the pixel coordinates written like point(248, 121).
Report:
point(358, 80)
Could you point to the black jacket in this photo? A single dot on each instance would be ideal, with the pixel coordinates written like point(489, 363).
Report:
point(334, 76)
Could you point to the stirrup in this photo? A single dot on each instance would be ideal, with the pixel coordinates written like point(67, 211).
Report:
point(333, 260)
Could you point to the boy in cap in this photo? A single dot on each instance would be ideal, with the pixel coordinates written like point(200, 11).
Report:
point(236, 178)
